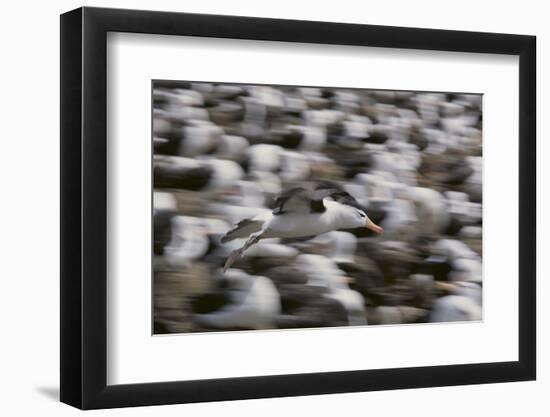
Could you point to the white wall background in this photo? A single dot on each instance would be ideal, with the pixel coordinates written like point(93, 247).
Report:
point(29, 226)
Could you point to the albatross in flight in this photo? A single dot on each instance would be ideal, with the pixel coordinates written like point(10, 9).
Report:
point(300, 212)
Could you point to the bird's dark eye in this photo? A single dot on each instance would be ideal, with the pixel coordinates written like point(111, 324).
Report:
point(362, 214)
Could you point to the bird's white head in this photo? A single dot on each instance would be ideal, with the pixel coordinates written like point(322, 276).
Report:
point(352, 217)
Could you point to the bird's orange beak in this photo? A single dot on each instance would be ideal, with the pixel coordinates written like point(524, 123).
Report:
point(369, 224)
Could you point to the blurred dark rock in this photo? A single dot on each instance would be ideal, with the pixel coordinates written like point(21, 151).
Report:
point(396, 315)
point(305, 306)
point(182, 177)
point(419, 139)
point(286, 138)
point(378, 135)
point(283, 275)
point(352, 163)
point(209, 302)
point(395, 261)
point(226, 112)
point(436, 266)
point(162, 230)
point(365, 276)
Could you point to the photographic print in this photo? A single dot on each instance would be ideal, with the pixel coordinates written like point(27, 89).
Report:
point(290, 195)
point(286, 207)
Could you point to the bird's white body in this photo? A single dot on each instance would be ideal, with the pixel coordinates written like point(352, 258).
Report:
point(308, 224)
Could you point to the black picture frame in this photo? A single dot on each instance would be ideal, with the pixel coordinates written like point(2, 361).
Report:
point(84, 207)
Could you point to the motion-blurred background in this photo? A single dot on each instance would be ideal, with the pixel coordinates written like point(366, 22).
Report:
point(222, 153)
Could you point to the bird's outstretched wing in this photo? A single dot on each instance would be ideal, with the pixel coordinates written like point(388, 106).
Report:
point(296, 200)
point(302, 200)
point(334, 191)
point(243, 229)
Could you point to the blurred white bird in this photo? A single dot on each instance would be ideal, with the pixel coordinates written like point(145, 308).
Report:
point(189, 240)
point(323, 272)
point(255, 302)
point(455, 308)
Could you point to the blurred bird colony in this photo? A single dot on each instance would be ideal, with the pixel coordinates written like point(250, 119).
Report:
point(225, 152)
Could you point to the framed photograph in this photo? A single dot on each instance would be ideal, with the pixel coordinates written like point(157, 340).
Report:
point(257, 208)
